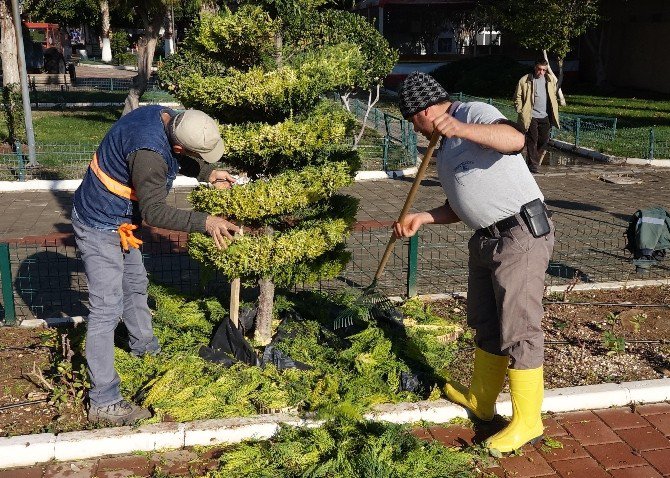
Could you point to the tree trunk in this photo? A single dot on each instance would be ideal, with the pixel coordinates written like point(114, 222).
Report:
point(168, 37)
point(371, 103)
point(561, 98)
point(8, 47)
point(263, 333)
point(12, 104)
point(106, 44)
point(146, 47)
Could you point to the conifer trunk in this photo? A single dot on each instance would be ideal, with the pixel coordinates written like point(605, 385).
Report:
point(263, 333)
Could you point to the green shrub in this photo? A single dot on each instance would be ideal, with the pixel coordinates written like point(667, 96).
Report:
point(482, 76)
point(126, 59)
point(119, 43)
point(272, 96)
point(184, 63)
point(331, 27)
point(241, 39)
point(287, 192)
point(261, 148)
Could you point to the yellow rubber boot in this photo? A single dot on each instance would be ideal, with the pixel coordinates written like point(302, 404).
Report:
point(527, 391)
point(487, 382)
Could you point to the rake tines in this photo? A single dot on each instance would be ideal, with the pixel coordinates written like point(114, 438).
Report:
point(371, 301)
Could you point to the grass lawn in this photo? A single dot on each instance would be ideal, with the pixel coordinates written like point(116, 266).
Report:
point(65, 141)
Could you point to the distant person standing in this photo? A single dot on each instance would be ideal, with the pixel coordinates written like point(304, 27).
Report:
point(537, 104)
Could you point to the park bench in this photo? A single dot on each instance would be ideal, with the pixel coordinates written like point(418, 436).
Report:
point(49, 81)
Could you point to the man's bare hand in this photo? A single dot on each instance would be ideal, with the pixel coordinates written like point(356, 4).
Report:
point(221, 179)
point(449, 126)
point(409, 225)
point(220, 229)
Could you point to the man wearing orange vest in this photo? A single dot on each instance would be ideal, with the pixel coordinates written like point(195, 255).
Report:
point(126, 183)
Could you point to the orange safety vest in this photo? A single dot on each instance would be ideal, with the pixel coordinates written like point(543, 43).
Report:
point(112, 185)
point(115, 187)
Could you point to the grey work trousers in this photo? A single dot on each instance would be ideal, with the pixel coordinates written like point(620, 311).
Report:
point(505, 290)
point(117, 288)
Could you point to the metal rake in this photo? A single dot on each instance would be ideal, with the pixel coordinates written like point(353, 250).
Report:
point(371, 300)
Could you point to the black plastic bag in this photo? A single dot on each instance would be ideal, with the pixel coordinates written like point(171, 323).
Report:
point(228, 342)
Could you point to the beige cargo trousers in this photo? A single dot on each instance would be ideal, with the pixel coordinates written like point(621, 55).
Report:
point(505, 291)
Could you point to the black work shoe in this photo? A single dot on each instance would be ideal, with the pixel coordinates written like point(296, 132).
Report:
point(119, 413)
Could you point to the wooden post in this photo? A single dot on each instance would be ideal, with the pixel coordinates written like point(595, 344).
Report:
point(235, 294)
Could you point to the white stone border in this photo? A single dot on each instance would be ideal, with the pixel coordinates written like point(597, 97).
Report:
point(27, 450)
point(101, 104)
point(606, 158)
point(179, 182)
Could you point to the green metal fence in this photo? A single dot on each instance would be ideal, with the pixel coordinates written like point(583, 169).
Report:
point(44, 278)
point(56, 161)
point(599, 133)
point(394, 146)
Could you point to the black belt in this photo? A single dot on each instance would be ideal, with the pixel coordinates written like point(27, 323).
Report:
point(501, 226)
point(504, 225)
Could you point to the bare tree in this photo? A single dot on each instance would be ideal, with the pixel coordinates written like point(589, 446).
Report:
point(152, 17)
point(105, 34)
point(8, 47)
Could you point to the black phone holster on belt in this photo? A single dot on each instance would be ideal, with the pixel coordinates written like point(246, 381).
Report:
point(536, 217)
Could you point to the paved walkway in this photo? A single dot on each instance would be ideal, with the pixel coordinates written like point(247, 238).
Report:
point(603, 443)
point(616, 442)
point(568, 188)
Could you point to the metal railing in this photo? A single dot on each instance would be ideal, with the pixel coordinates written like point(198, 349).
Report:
point(395, 145)
point(45, 278)
point(599, 133)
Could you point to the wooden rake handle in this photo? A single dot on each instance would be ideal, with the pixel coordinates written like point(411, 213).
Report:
point(435, 137)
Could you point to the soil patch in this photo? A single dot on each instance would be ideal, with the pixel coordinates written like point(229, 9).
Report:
point(592, 337)
point(596, 337)
point(26, 404)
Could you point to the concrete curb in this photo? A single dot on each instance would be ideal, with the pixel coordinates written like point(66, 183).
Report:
point(41, 105)
point(114, 67)
point(27, 450)
point(606, 158)
point(179, 182)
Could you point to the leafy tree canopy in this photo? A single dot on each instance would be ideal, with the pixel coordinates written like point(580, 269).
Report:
point(67, 13)
point(549, 24)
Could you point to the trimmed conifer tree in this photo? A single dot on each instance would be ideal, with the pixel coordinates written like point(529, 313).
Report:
point(257, 69)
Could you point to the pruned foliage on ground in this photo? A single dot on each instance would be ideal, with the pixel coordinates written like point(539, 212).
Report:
point(344, 448)
point(350, 373)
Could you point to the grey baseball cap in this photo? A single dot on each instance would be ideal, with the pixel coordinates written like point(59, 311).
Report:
point(198, 132)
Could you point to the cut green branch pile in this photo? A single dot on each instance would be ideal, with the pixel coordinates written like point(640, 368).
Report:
point(349, 374)
point(344, 448)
